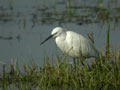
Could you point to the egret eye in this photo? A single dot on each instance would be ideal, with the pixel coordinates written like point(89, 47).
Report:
point(55, 33)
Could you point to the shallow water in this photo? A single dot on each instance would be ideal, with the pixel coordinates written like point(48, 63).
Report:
point(21, 33)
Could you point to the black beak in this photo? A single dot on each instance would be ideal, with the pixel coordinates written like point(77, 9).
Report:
point(46, 39)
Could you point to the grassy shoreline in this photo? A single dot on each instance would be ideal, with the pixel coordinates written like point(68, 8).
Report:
point(64, 76)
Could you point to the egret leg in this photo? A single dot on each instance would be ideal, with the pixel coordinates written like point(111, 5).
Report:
point(74, 61)
point(84, 64)
point(89, 69)
point(82, 61)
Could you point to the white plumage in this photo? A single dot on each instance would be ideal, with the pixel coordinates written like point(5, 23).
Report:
point(73, 44)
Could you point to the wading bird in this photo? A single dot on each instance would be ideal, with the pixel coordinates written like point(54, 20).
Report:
point(73, 44)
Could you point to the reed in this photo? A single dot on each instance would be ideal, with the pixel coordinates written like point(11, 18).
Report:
point(64, 75)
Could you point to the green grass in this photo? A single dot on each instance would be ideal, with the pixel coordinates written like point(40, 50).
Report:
point(63, 76)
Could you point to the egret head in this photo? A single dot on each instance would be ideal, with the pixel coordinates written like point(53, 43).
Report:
point(55, 32)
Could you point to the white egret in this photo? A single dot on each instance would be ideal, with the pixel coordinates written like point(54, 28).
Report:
point(73, 44)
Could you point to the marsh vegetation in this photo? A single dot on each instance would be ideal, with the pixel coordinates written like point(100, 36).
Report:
point(62, 75)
